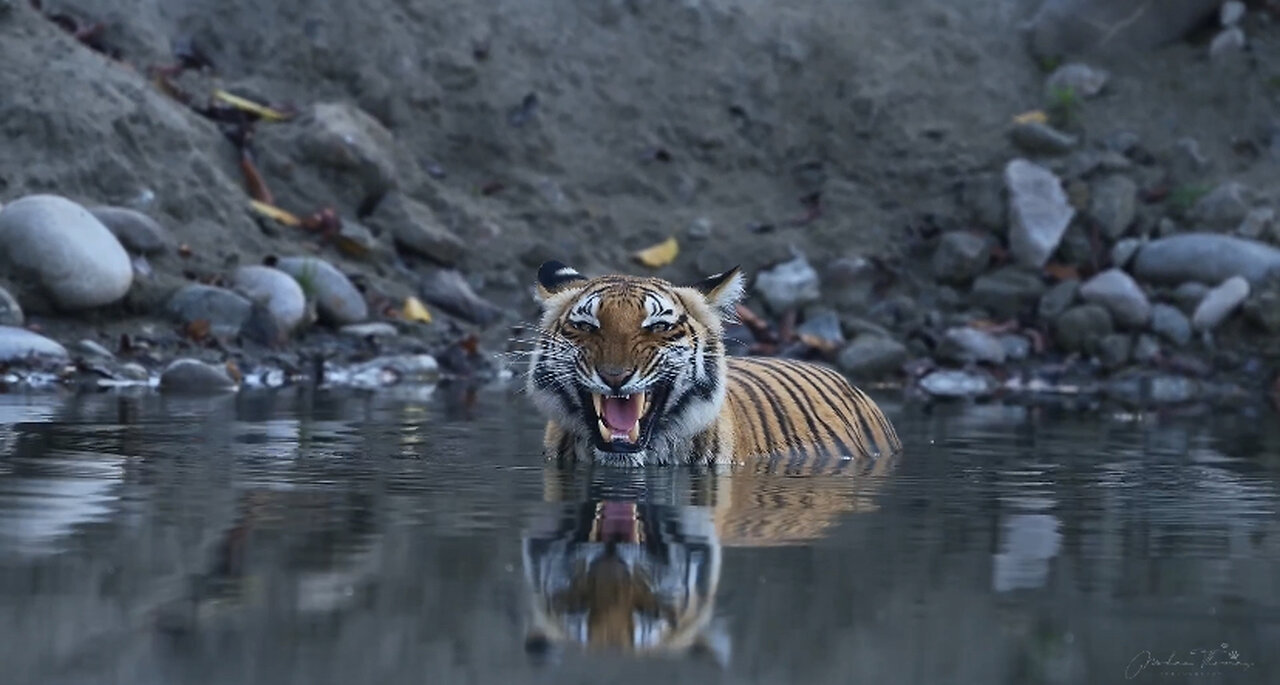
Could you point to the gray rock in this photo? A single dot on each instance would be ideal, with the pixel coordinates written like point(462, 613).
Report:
point(1123, 251)
point(1112, 27)
point(1016, 347)
point(373, 329)
point(1231, 13)
point(788, 285)
point(395, 370)
point(1223, 207)
point(1205, 258)
point(133, 371)
point(1038, 212)
point(277, 290)
point(10, 311)
point(960, 257)
point(872, 356)
point(90, 348)
point(1146, 349)
point(1114, 350)
point(699, 229)
point(415, 227)
point(1229, 41)
point(1171, 324)
point(1263, 305)
point(1007, 291)
point(823, 325)
point(957, 383)
point(193, 376)
point(19, 343)
point(1122, 142)
point(225, 311)
point(1219, 303)
point(1079, 328)
point(967, 345)
point(983, 196)
point(1038, 138)
point(1058, 299)
point(135, 230)
point(1080, 79)
point(345, 139)
point(1189, 295)
point(1113, 203)
point(1260, 222)
point(1121, 295)
point(75, 258)
point(336, 298)
point(1146, 388)
point(450, 291)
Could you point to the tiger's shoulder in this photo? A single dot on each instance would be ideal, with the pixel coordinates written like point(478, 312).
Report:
point(784, 406)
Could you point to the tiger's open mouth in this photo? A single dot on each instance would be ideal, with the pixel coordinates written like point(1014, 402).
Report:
point(624, 423)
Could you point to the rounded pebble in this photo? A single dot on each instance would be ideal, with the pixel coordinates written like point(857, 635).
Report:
point(1219, 303)
point(276, 289)
point(20, 343)
point(336, 298)
point(10, 311)
point(225, 311)
point(74, 257)
point(194, 376)
point(135, 230)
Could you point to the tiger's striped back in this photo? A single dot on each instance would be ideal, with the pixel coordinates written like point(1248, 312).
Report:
point(805, 411)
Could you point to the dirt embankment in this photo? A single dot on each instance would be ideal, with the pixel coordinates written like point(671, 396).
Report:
point(456, 138)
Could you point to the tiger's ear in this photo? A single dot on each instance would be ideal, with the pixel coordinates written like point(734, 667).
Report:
point(555, 276)
point(723, 290)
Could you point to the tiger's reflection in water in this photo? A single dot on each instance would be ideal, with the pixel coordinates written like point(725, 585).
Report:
point(629, 561)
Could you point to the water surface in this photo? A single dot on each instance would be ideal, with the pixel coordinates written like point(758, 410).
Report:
point(307, 536)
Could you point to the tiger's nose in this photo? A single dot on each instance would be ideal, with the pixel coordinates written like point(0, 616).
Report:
point(614, 376)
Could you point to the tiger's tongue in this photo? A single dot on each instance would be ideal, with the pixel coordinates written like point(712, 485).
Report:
point(622, 413)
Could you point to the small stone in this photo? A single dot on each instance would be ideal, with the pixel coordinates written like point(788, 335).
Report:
point(1016, 347)
point(135, 230)
point(1188, 296)
point(10, 311)
point(345, 139)
point(225, 311)
point(1058, 299)
point(1263, 305)
point(1079, 328)
point(336, 298)
point(1146, 388)
point(1007, 291)
point(1231, 13)
point(1079, 79)
point(1219, 303)
point(968, 345)
point(277, 290)
point(73, 256)
point(822, 325)
point(1229, 41)
point(1114, 350)
point(450, 291)
point(373, 329)
point(195, 377)
point(1121, 295)
point(1146, 350)
point(90, 348)
point(133, 371)
point(871, 357)
point(956, 383)
point(396, 370)
point(1258, 223)
point(1038, 138)
point(1171, 324)
point(1223, 207)
point(415, 227)
point(1038, 211)
point(788, 285)
point(1167, 227)
point(1113, 203)
point(1123, 251)
point(699, 229)
point(960, 257)
point(983, 196)
point(1188, 159)
point(17, 344)
point(1122, 142)
point(1205, 258)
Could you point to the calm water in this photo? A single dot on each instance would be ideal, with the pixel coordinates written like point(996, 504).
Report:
point(348, 538)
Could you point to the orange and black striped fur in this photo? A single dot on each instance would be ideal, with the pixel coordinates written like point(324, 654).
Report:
point(633, 371)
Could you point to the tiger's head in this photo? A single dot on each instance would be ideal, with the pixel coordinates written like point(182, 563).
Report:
point(630, 368)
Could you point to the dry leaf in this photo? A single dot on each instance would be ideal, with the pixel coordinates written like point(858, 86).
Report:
point(275, 213)
point(250, 106)
point(414, 310)
point(234, 371)
point(659, 255)
point(1035, 116)
point(1061, 272)
point(198, 330)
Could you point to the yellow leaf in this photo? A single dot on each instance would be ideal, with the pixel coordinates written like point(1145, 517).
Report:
point(659, 255)
point(274, 212)
point(249, 106)
point(1035, 116)
point(414, 310)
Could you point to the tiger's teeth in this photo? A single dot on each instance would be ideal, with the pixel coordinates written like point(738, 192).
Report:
point(634, 434)
point(599, 402)
point(604, 430)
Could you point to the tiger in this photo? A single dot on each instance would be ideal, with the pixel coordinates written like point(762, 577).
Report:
point(633, 371)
